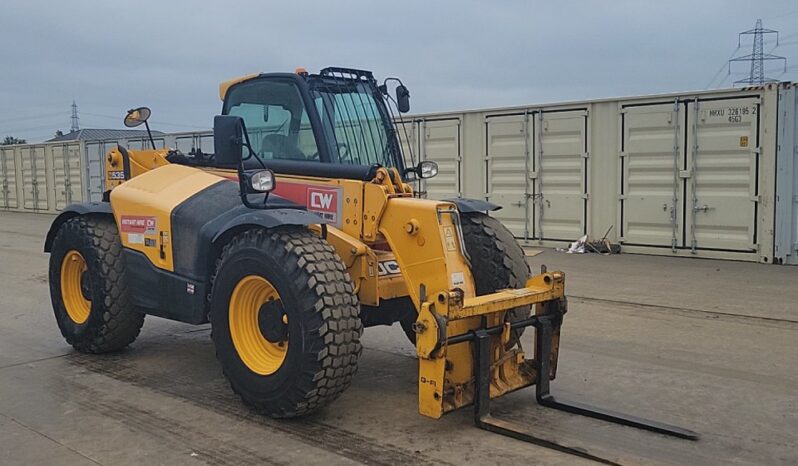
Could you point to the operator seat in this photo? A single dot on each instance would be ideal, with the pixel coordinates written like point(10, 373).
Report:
point(281, 147)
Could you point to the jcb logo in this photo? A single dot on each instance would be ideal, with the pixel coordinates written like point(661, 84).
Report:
point(321, 200)
point(389, 267)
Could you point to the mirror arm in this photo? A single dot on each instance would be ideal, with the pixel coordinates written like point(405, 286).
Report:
point(149, 133)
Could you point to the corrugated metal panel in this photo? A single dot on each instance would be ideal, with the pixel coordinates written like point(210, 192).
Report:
point(441, 144)
point(651, 189)
point(144, 143)
point(786, 248)
point(34, 177)
point(66, 174)
point(407, 131)
point(8, 179)
point(508, 160)
point(559, 171)
point(408, 138)
point(722, 165)
point(95, 163)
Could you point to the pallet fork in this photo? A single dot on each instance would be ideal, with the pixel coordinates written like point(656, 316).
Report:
point(546, 325)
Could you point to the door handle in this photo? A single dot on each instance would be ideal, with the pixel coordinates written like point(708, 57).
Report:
point(704, 208)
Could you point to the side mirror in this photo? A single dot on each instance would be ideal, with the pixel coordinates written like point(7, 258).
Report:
point(228, 139)
point(137, 116)
point(402, 99)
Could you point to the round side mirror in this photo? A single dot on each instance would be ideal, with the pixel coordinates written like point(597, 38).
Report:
point(137, 116)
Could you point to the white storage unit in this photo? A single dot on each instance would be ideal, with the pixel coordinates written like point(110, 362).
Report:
point(95, 166)
point(8, 179)
point(34, 177)
point(507, 165)
point(650, 165)
point(722, 168)
point(536, 170)
point(441, 143)
point(560, 172)
point(67, 169)
point(145, 144)
point(689, 174)
point(189, 142)
point(694, 174)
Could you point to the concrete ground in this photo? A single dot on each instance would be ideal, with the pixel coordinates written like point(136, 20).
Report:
point(707, 345)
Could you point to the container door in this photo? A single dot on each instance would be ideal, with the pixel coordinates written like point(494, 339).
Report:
point(723, 159)
point(95, 160)
point(66, 172)
point(651, 161)
point(8, 179)
point(787, 178)
point(560, 194)
point(509, 141)
point(441, 144)
point(34, 178)
point(408, 140)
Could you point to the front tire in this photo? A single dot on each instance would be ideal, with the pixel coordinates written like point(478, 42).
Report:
point(497, 261)
point(88, 287)
point(285, 320)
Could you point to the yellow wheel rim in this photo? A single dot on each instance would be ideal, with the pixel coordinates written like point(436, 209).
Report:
point(258, 354)
point(72, 269)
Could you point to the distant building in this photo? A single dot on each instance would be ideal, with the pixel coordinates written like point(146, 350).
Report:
point(100, 134)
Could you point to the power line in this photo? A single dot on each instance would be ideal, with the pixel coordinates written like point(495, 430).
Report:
point(35, 117)
point(116, 118)
point(722, 67)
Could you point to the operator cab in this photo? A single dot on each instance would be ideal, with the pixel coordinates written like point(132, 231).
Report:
point(333, 124)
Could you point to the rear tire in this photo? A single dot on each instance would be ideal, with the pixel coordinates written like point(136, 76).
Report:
point(497, 262)
point(290, 370)
point(88, 287)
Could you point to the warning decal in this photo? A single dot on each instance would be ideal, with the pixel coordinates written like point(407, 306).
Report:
point(139, 224)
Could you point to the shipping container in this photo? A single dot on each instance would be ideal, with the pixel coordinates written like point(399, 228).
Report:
point(695, 174)
point(688, 174)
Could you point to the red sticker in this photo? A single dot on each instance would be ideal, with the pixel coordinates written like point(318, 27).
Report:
point(139, 224)
point(318, 199)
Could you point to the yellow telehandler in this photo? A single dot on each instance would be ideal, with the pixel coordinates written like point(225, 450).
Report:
point(300, 229)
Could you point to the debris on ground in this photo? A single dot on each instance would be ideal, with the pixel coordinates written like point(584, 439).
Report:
point(601, 246)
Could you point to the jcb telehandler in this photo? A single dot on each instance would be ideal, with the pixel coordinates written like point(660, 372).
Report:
point(302, 228)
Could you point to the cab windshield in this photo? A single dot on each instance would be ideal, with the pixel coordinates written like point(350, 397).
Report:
point(354, 123)
point(354, 120)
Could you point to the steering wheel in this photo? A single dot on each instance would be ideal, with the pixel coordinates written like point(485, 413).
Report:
point(343, 151)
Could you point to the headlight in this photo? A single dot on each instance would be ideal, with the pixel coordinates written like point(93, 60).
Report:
point(261, 181)
point(427, 169)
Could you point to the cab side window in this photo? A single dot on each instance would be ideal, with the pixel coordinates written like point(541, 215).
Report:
point(276, 119)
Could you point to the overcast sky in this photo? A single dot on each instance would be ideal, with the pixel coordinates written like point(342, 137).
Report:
point(171, 55)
